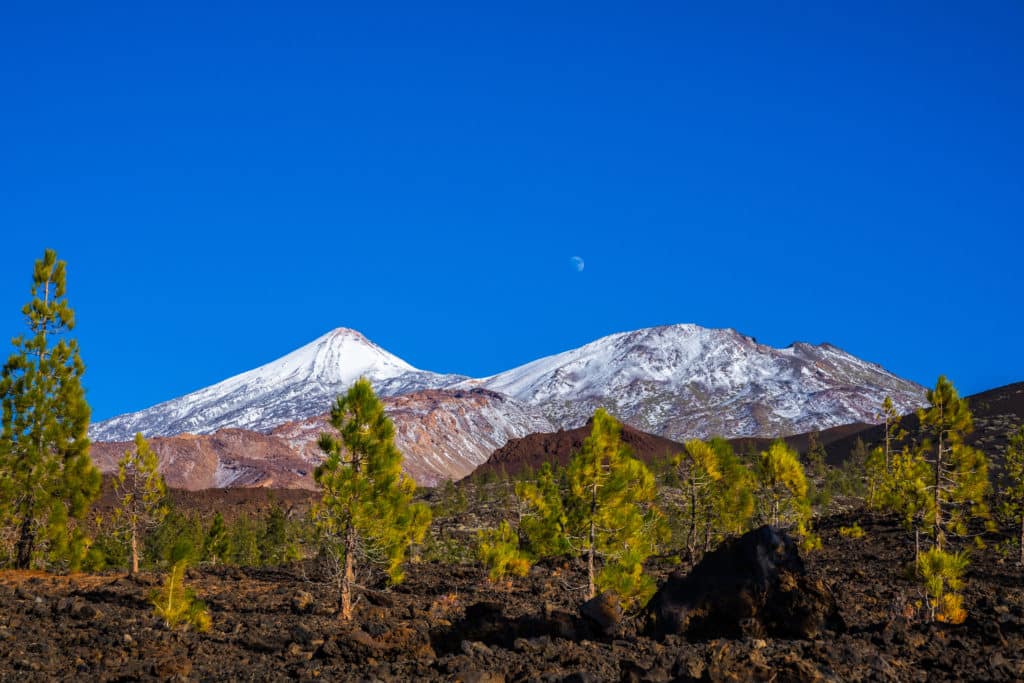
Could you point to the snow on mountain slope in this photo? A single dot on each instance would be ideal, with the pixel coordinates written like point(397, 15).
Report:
point(685, 381)
point(298, 385)
point(679, 382)
point(443, 434)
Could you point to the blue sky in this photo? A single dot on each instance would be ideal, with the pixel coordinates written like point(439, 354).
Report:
point(229, 181)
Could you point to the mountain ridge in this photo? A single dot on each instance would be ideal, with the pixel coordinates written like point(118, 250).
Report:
point(677, 381)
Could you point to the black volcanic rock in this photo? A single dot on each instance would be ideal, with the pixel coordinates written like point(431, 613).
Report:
point(751, 586)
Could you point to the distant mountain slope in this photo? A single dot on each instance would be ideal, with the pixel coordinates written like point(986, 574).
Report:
point(685, 381)
point(997, 412)
point(678, 382)
point(301, 384)
point(442, 434)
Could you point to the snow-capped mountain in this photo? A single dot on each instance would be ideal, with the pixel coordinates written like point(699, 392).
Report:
point(679, 382)
point(685, 381)
point(298, 385)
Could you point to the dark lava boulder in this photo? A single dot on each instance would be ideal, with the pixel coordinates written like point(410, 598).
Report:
point(751, 586)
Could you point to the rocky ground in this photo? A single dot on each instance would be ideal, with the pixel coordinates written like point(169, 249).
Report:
point(446, 622)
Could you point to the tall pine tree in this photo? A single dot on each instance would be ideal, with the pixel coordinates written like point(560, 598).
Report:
point(47, 481)
point(610, 512)
point(366, 510)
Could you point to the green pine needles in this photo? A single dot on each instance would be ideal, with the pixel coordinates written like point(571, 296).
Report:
point(366, 510)
point(782, 498)
point(176, 603)
point(47, 481)
point(545, 525)
point(942, 574)
point(1013, 494)
point(141, 496)
point(717, 492)
point(498, 551)
point(601, 505)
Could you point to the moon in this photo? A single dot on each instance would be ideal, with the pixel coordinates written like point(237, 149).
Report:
point(577, 263)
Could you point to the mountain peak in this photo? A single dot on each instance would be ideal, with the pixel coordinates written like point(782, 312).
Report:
point(296, 385)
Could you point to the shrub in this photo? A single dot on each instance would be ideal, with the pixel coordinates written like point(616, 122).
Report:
point(498, 550)
point(942, 574)
point(851, 531)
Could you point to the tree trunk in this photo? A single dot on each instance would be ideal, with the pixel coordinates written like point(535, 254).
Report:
point(348, 574)
point(691, 536)
point(938, 490)
point(887, 442)
point(707, 534)
point(26, 540)
point(591, 589)
point(135, 552)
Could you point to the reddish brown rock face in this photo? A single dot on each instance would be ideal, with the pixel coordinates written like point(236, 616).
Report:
point(443, 435)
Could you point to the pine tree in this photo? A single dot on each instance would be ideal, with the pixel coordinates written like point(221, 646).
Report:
point(908, 491)
point(782, 489)
point(879, 464)
point(544, 523)
point(734, 500)
point(894, 433)
point(275, 548)
point(141, 495)
point(216, 545)
point(1013, 493)
point(367, 507)
point(959, 481)
point(610, 511)
point(499, 552)
point(47, 481)
point(697, 469)
point(817, 468)
point(717, 490)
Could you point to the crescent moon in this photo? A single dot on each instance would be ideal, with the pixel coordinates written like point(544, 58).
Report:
point(577, 263)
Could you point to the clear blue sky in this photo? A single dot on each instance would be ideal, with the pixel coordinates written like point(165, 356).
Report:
point(229, 181)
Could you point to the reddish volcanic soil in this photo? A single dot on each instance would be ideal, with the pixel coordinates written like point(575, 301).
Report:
point(530, 452)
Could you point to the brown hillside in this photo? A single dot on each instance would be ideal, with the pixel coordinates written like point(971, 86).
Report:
point(530, 452)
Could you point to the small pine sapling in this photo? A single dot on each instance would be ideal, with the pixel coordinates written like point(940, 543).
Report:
point(176, 603)
point(853, 532)
point(942, 573)
point(498, 551)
